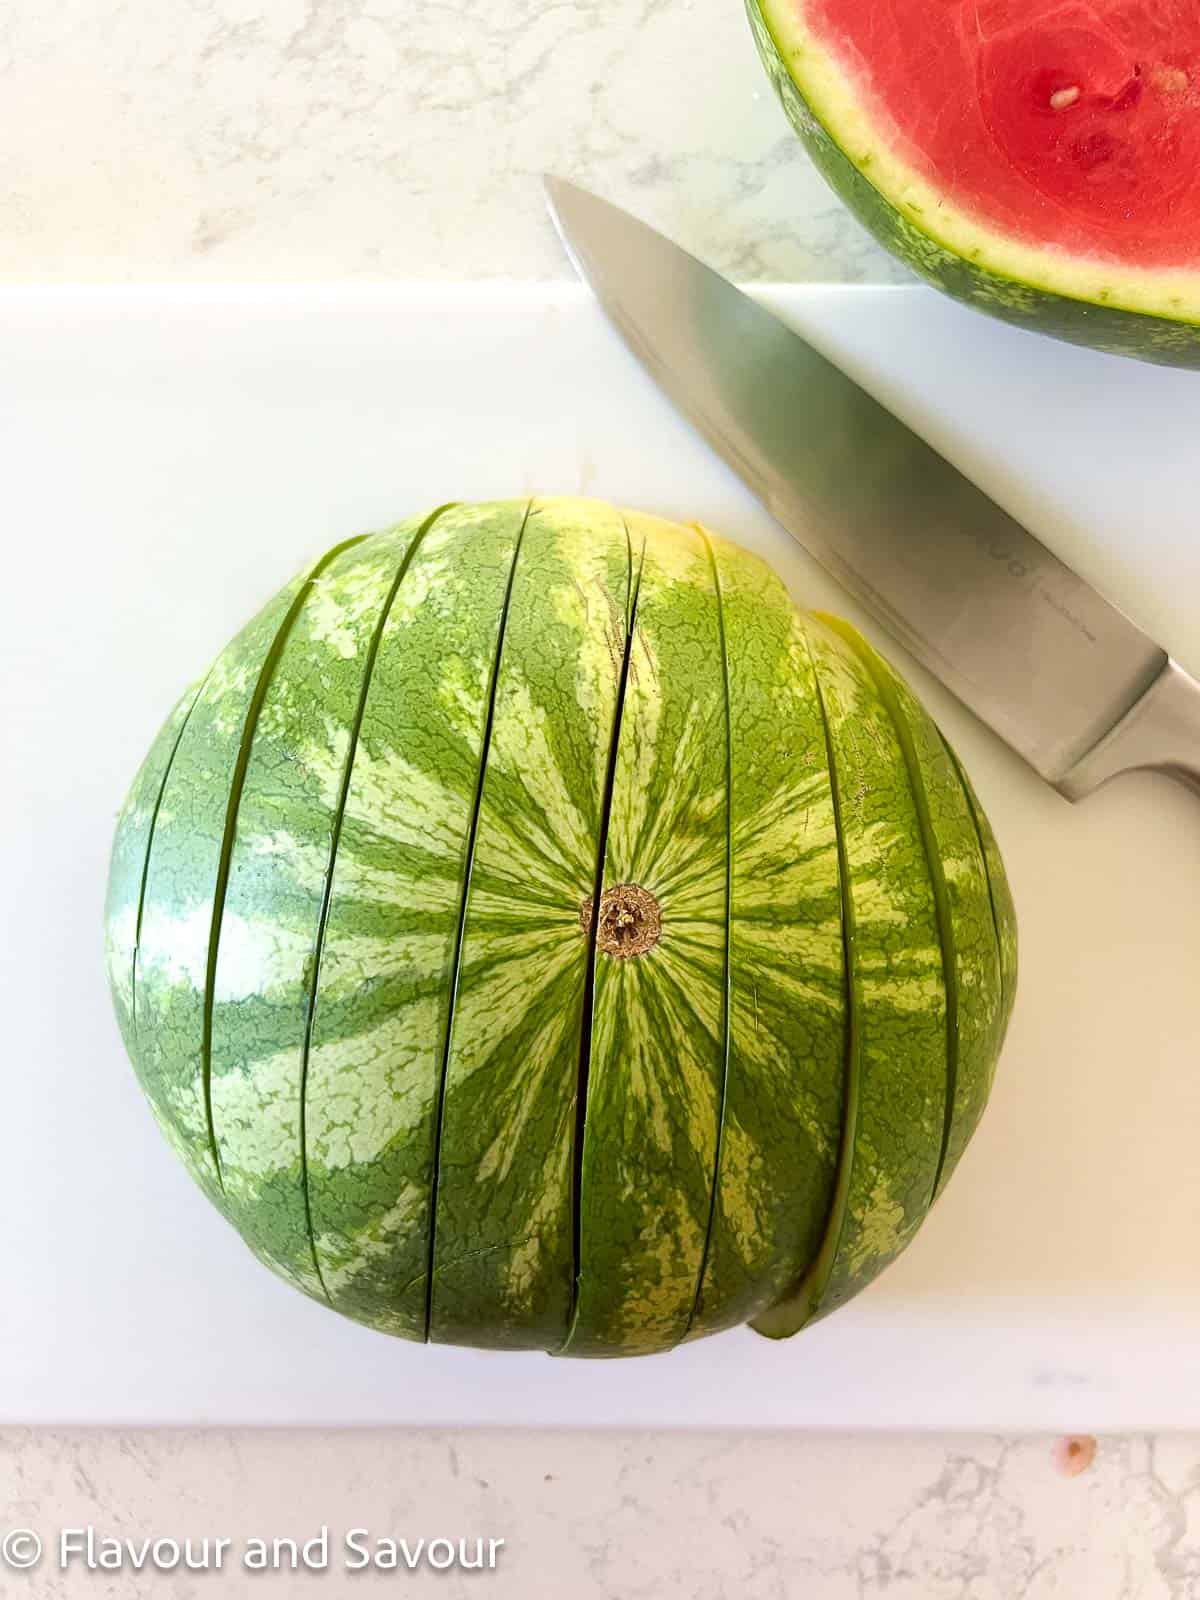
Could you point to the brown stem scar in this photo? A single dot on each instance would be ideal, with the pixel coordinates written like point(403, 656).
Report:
point(630, 921)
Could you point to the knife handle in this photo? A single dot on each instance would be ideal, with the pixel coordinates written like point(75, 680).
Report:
point(1161, 730)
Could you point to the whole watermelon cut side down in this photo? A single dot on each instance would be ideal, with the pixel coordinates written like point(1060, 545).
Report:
point(535, 932)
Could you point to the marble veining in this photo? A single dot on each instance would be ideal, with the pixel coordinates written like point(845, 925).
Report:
point(622, 1516)
point(308, 139)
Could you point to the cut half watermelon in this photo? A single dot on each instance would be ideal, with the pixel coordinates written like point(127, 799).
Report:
point(1039, 160)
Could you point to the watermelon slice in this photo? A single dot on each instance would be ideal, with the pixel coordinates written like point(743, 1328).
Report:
point(1039, 159)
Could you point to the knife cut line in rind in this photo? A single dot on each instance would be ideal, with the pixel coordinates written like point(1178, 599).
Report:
point(726, 978)
point(469, 863)
point(229, 833)
point(335, 839)
point(972, 812)
point(790, 1313)
point(1006, 982)
point(933, 860)
point(145, 873)
point(587, 1013)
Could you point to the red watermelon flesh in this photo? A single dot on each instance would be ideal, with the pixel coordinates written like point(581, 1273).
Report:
point(1072, 125)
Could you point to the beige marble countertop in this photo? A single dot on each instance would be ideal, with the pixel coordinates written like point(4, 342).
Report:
point(613, 1516)
point(201, 139)
point(312, 139)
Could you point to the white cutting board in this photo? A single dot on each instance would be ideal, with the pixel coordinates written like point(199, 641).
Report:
point(169, 457)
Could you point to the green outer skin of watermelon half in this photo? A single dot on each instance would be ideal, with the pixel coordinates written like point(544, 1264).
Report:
point(352, 962)
point(1163, 340)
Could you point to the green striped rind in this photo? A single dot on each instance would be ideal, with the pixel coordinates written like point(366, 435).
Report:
point(959, 876)
point(783, 1110)
point(268, 948)
point(1087, 322)
point(1004, 912)
point(185, 860)
point(382, 1005)
point(504, 1257)
point(658, 1024)
point(127, 865)
point(896, 1049)
point(357, 855)
point(980, 1015)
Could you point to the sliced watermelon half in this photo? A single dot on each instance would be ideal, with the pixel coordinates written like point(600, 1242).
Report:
point(1039, 159)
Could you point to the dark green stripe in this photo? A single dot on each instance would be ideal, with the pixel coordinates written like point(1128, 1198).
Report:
point(983, 855)
point(249, 728)
point(789, 1315)
point(335, 839)
point(726, 1017)
point(440, 1116)
point(933, 860)
point(141, 904)
point(589, 978)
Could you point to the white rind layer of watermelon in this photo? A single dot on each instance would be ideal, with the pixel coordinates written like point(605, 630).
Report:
point(355, 955)
point(1026, 157)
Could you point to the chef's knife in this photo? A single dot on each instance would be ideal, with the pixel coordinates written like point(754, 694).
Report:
point(1059, 673)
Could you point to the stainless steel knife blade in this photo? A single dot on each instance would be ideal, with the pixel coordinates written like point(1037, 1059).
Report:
point(1055, 669)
